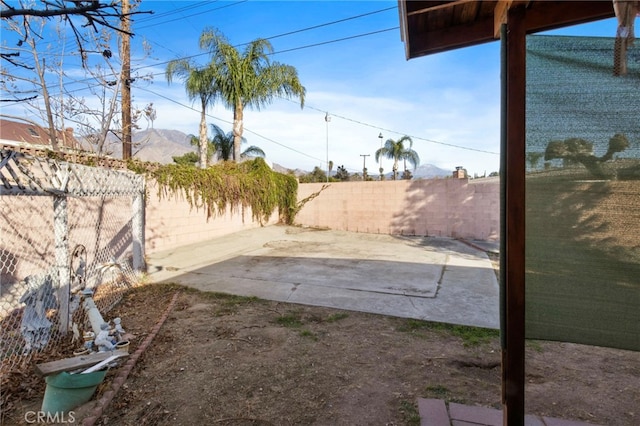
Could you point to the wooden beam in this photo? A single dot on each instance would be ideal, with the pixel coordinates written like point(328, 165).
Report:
point(423, 35)
point(76, 362)
point(549, 15)
point(514, 218)
point(444, 5)
point(500, 16)
point(453, 37)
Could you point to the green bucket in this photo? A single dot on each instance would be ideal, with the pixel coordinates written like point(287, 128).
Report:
point(65, 391)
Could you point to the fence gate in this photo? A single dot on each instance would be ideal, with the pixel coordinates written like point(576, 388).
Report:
point(64, 228)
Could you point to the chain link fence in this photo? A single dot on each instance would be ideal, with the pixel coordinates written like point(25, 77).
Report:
point(65, 229)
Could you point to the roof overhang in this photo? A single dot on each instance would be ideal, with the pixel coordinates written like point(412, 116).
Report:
point(436, 26)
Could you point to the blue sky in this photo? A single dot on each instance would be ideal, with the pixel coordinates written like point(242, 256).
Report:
point(351, 60)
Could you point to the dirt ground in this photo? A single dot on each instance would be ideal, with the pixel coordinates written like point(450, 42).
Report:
point(229, 360)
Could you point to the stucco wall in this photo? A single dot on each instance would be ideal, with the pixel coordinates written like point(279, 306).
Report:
point(458, 208)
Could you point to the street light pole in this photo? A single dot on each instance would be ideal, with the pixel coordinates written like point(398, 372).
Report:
point(380, 157)
point(364, 166)
point(327, 119)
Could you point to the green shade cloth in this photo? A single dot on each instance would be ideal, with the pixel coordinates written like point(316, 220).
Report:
point(582, 193)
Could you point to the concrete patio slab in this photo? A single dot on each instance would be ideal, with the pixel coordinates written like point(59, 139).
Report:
point(426, 278)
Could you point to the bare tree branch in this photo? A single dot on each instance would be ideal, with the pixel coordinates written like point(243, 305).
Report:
point(91, 6)
point(9, 58)
point(105, 14)
point(95, 12)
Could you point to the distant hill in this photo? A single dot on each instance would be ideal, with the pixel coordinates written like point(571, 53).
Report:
point(429, 171)
point(285, 170)
point(161, 145)
point(154, 145)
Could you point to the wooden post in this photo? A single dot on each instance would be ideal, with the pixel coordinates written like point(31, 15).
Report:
point(514, 75)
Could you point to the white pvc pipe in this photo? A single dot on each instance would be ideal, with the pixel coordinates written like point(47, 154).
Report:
point(95, 319)
point(102, 364)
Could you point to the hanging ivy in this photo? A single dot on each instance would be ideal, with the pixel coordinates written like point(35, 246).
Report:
point(235, 185)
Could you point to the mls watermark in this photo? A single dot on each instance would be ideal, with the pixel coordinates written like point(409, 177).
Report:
point(45, 417)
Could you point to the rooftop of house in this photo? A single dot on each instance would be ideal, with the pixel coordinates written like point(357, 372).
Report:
point(31, 133)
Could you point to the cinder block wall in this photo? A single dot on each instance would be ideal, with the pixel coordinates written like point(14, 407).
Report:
point(171, 222)
point(458, 208)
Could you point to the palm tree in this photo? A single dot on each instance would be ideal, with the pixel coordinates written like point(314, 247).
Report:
point(396, 150)
point(200, 84)
point(249, 79)
point(253, 151)
point(195, 141)
point(222, 144)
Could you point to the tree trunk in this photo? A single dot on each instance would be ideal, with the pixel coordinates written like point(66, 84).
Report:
point(203, 137)
point(40, 69)
point(238, 116)
point(106, 118)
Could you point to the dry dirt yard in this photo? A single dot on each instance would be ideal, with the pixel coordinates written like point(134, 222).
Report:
point(227, 360)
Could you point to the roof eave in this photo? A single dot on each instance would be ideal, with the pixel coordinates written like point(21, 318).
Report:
point(542, 15)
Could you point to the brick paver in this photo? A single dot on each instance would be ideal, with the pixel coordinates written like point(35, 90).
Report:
point(437, 412)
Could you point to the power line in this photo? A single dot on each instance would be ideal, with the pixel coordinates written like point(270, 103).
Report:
point(331, 23)
point(297, 32)
point(282, 51)
point(274, 53)
point(137, 69)
point(88, 79)
point(188, 16)
point(229, 122)
point(323, 110)
point(71, 43)
point(336, 40)
point(290, 50)
point(157, 16)
point(310, 28)
point(397, 132)
point(333, 115)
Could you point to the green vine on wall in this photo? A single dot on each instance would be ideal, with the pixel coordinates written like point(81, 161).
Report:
point(235, 185)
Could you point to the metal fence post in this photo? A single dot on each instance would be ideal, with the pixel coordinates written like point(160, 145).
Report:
point(137, 231)
point(61, 231)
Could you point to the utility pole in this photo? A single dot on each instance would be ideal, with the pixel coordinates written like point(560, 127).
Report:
point(380, 157)
point(327, 119)
point(125, 75)
point(364, 166)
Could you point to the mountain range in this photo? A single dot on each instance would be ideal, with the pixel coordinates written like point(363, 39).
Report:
point(429, 171)
point(161, 145)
